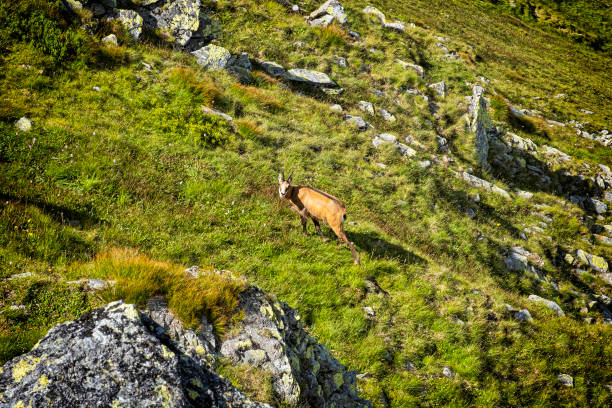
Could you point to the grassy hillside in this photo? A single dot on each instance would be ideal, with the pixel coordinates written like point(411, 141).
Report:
point(138, 166)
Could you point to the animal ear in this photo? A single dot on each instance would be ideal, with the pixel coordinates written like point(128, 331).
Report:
point(290, 178)
point(281, 176)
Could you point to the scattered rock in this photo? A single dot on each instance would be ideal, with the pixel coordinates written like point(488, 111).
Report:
point(388, 116)
point(548, 303)
point(369, 311)
point(439, 88)
point(271, 68)
point(406, 150)
point(210, 111)
point(96, 88)
point(366, 107)
point(378, 93)
point(396, 25)
point(357, 121)
point(521, 260)
point(110, 39)
point(314, 79)
point(407, 65)
point(470, 213)
point(241, 60)
point(566, 380)
point(212, 57)
point(340, 61)
point(597, 263)
point(480, 183)
point(23, 275)
point(598, 206)
point(336, 108)
point(328, 12)
point(524, 194)
point(448, 372)
point(24, 124)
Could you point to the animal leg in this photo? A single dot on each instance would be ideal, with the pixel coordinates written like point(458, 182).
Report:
point(342, 237)
point(318, 228)
point(302, 218)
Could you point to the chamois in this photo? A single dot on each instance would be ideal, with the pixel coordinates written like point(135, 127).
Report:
point(318, 206)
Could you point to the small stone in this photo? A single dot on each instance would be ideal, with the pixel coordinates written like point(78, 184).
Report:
point(388, 116)
point(566, 380)
point(336, 108)
point(96, 88)
point(424, 164)
point(524, 194)
point(523, 315)
point(366, 107)
point(470, 213)
point(405, 150)
point(369, 311)
point(340, 61)
point(448, 372)
point(110, 39)
point(357, 121)
point(295, 8)
point(439, 88)
point(24, 124)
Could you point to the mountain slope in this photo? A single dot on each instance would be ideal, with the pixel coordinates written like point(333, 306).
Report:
point(121, 155)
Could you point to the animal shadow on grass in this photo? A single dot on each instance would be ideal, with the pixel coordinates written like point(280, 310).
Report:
point(379, 248)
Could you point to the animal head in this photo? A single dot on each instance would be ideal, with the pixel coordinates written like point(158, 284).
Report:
point(283, 185)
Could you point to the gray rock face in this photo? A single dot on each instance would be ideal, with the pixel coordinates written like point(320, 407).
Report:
point(328, 12)
point(113, 356)
point(272, 68)
point(548, 303)
point(271, 337)
point(212, 57)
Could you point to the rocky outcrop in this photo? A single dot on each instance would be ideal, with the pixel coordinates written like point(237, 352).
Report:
point(521, 260)
point(481, 125)
point(113, 356)
point(179, 18)
point(118, 355)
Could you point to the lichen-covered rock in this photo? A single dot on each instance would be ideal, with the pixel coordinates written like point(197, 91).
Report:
point(597, 263)
point(212, 57)
point(388, 116)
point(328, 12)
point(131, 20)
point(407, 65)
point(271, 337)
point(521, 260)
point(180, 18)
point(366, 107)
point(271, 68)
point(357, 121)
point(113, 356)
point(110, 39)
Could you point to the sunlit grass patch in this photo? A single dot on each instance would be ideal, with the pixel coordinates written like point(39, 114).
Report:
point(138, 278)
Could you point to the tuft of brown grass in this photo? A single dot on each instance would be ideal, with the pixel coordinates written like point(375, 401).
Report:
point(203, 87)
point(253, 94)
point(138, 277)
point(248, 129)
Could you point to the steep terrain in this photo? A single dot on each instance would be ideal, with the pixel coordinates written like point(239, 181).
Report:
point(470, 148)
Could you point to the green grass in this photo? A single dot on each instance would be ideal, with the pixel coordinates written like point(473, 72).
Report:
point(139, 166)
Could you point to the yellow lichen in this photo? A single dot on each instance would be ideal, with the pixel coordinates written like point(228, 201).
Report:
point(167, 352)
point(23, 367)
point(131, 312)
point(200, 349)
point(164, 394)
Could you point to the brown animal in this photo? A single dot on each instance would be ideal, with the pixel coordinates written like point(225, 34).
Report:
point(318, 206)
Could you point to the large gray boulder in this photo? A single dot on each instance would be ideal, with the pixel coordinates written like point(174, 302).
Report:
point(113, 356)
